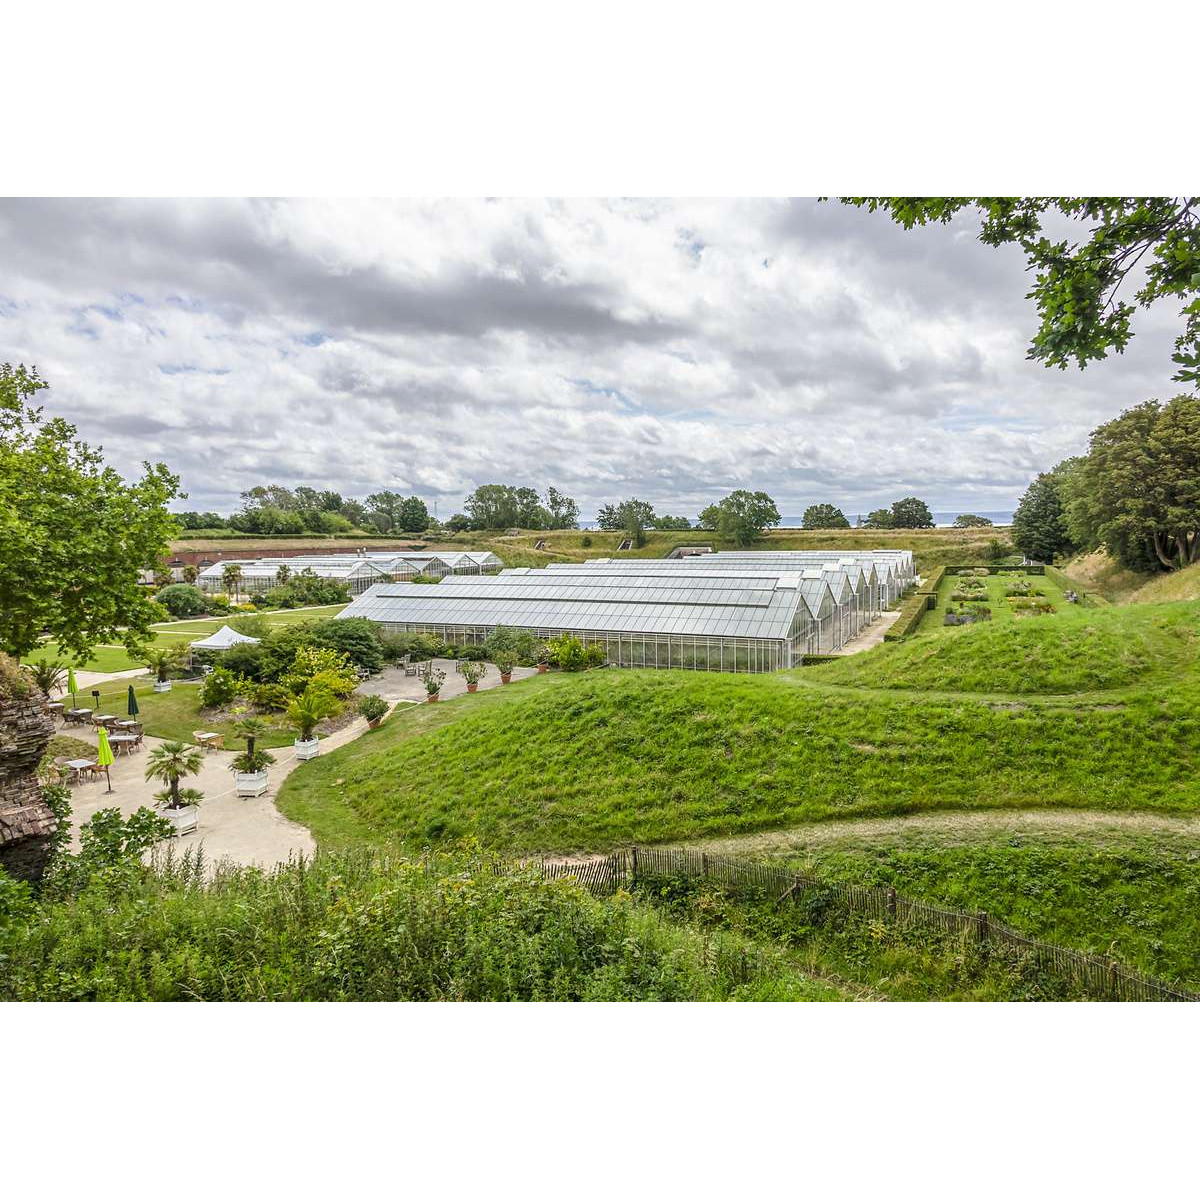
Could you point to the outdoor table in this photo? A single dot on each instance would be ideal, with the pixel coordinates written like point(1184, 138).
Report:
point(105, 719)
point(119, 741)
point(79, 765)
point(78, 715)
point(127, 724)
point(209, 740)
point(55, 707)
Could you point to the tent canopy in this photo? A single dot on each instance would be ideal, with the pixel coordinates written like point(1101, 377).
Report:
point(223, 639)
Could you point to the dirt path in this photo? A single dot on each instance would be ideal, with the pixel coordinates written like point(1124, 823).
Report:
point(959, 827)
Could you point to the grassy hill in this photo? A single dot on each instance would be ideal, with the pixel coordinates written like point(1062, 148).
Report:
point(588, 762)
point(1073, 650)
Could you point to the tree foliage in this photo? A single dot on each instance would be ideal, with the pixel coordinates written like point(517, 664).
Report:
point(1137, 490)
point(1039, 528)
point(74, 536)
point(824, 516)
point(911, 513)
point(502, 506)
point(971, 521)
point(743, 516)
point(880, 518)
point(1077, 283)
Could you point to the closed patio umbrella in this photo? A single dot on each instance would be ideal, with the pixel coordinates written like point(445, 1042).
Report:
point(104, 756)
point(71, 686)
point(132, 707)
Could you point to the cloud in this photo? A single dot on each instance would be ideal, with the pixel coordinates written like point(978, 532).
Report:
point(667, 349)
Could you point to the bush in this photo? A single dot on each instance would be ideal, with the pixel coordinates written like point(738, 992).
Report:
point(183, 600)
point(356, 638)
point(244, 659)
point(272, 697)
point(220, 686)
point(586, 540)
point(372, 708)
point(471, 653)
point(217, 605)
point(568, 653)
point(518, 642)
point(307, 588)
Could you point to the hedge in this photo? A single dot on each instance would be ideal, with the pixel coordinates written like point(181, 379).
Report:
point(930, 585)
point(911, 612)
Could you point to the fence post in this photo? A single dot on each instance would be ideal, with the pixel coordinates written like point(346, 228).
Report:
point(984, 931)
point(633, 866)
point(1112, 976)
point(703, 864)
point(891, 901)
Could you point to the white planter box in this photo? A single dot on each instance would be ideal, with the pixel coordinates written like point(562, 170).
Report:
point(184, 819)
point(307, 750)
point(251, 783)
point(162, 685)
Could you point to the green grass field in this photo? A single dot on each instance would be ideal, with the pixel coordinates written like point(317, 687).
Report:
point(110, 659)
point(610, 757)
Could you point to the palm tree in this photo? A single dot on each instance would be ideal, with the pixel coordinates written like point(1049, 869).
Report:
point(283, 574)
point(160, 660)
point(251, 728)
point(171, 762)
point(231, 576)
point(190, 573)
point(306, 712)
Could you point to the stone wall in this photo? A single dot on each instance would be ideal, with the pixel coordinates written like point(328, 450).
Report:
point(26, 823)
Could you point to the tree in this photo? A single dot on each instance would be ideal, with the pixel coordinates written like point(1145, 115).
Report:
point(824, 516)
point(283, 574)
point(383, 509)
point(880, 518)
point(607, 519)
point(492, 506)
point(563, 511)
point(412, 515)
point(458, 523)
point(1076, 283)
point(633, 516)
point(1137, 490)
point(743, 516)
point(190, 573)
point(74, 536)
point(665, 522)
point(970, 521)
point(1039, 529)
point(911, 513)
point(182, 600)
point(231, 576)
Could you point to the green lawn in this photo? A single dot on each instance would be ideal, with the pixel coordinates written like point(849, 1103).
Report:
point(176, 715)
point(109, 659)
point(611, 757)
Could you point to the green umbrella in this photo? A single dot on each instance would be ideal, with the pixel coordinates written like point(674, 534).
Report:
point(71, 686)
point(104, 757)
point(132, 707)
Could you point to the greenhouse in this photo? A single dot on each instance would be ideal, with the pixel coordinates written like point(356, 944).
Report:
point(471, 562)
point(725, 621)
point(260, 574)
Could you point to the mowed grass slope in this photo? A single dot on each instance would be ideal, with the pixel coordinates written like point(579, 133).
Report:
point(1075, 650)
point(588, 762)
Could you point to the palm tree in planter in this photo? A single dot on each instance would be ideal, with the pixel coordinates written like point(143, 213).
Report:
point(372, 709)
point(305, 713)
point(231, 576)
point(250, 766)
point(505, 661)
point(161, 660)
point(473, 672)
point(169, 763)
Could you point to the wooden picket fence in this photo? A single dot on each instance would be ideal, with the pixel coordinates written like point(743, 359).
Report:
point(1099, 977)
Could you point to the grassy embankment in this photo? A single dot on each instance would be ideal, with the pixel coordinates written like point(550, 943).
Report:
point(1008, 719)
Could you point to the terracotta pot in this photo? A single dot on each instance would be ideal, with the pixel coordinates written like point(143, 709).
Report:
point(542, 668)
point(432, 698)
point(373, 724)
point(472, 687)
point(506, 678)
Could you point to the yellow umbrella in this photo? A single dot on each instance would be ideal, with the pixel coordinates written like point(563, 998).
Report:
point(104, 757)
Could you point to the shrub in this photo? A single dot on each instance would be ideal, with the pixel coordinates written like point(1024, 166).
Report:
point(219, 687)
point(567, 653)
point(356, 638)
point(307, 711)
point(337, 674)
point(518, 642)
point(1031, 606)
point(273, 697)
point(473, 671)
point(911, 612)
point(217, 605)
point(244, 659)
point(586, 540)
point(48, 675)
point(336, 683)
point(372, 708)
point(163, 661)
point(183, 600)
point(471, 653)
point(251, 626)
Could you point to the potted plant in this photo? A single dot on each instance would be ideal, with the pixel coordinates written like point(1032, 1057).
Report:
point(473, 672)
point(542, 657)
point(373, 709)
point(505, 661)
point(304, 714)
point(432, 678)
point(161, 660)
point(171, 762)
point(250, 766)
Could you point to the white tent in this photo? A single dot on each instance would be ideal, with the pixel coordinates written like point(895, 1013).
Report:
point(223, 639)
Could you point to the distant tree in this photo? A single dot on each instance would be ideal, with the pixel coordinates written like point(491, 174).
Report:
point(182, 600)
point(564, 512)
point(671, 523)
point(493, 506)
point(1137, 490)
point(743, 516)
point(634, 516)
point(283, 574)
point(880, 518)
point(458, 523)
point(413, 516)
point(970, 521)
point(190, 573)
point(607, 518)
point(911, 513)
point(231, 577)
point(200, 520)
point(1039, 529)
point(356, 513)
point(74, 536)
point(1076, 283)
point(383, 510)
point(824, 516)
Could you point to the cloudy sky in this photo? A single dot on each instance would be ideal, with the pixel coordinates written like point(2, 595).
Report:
point(672, 350)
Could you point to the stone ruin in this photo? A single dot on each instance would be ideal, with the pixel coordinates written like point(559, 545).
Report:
point(26, 822)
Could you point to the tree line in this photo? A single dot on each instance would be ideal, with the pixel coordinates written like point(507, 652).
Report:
point(909, 513)
point(1135, 493)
